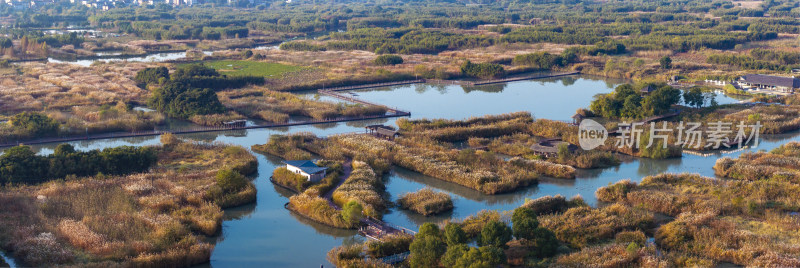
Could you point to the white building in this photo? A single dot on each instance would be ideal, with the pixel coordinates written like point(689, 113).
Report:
point(307, 169)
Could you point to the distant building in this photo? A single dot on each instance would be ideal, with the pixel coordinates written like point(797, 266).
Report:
point(382, 131)
point(769, 82)
point(307, 169)
point(577, 118)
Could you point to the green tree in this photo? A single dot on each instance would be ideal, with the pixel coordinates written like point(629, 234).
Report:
point(659, 101)
point(496, 234)
point(632, 106)
point(230, 181)
point(429, 229)
point(20, 164)
point(482, 70)
point(63, 150)
point(152, 75)
point(177, 99)
point(540, 60)
point(665, 62)
point(543, 243)
point(524, 223)
point(426, 250)
point(694, 97)
point(483, 257)
point(189, 71)
point(34, 124)
point(454, 234)
point(613, 105)
point(388, 59)
point(352, 212)
point(453, 254)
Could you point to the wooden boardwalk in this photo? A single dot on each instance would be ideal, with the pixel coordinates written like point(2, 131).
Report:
point(387, 84)
point(335, 94)
point(396, 258)
point(199, 129)
point(376, 229)
point(522, 78)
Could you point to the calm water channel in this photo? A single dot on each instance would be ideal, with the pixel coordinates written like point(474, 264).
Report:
point(266, 234)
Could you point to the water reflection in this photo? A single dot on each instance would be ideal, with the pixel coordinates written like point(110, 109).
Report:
point(555, 98)
point(266, 234)
point(239, 213)
point(324, 229)
point(492, 88)
point(649, 167)
point(364, 123)
point(402, 180)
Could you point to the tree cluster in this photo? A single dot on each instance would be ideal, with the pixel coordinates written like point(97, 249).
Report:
point(388, 59)
point(543, 60)
point(627, 102)
point(33, 124)
point(21, 165)
point(433, 247)
point(482, 70)
point(190, 89)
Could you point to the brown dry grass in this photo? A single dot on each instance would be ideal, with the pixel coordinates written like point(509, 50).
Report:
point(82, 98)
point(146, 219)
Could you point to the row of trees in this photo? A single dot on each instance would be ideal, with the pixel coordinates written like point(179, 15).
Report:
point(433, 247)
point(544, 60)
point(21, 165)
point(748, 62)
point(781, 57)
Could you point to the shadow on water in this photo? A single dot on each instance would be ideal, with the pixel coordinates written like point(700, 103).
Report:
point(266, 234)
point(402, 180)
point(323, 229)
point(419, 219)
point(491, 88)
point(240, 212)
point(364, 123)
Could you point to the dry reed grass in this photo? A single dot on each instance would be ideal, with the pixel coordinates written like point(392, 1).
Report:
point(426, 202)
point(147, 219)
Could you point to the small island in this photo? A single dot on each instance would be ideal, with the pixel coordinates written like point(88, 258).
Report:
point(426, 202)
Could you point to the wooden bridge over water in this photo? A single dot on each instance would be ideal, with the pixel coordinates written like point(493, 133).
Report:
point(203, 129)
point(335, 94)
point(376, 229)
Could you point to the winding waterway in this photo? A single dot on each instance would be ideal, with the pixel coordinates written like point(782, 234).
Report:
point(266, 234)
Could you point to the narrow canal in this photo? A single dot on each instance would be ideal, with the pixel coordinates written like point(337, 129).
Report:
point(266, 234)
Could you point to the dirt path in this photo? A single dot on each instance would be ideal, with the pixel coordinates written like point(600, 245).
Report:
point(348, 168)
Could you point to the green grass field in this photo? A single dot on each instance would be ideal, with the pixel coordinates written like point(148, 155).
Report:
point(243, 67)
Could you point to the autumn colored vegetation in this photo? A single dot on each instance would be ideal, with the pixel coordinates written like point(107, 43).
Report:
point(723, 220)
point(426, 202)
point(154, 218)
